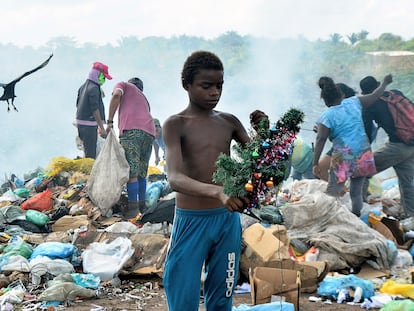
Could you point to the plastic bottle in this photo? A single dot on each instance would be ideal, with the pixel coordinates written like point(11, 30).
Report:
point(358, 294)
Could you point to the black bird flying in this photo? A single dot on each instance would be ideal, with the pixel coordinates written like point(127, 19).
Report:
point(8, 94)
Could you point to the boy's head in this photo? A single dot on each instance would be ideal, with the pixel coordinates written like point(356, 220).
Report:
point(259, 119)
point(197, 61)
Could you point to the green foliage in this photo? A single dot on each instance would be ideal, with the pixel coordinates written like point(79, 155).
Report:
point(233, 173)
point(265, 158)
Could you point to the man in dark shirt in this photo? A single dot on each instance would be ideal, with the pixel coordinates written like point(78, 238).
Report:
point(394, 153)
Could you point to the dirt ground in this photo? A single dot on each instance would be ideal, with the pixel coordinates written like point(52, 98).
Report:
point(149, 295)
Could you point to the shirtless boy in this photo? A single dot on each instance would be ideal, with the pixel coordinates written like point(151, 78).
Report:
point(207, 227)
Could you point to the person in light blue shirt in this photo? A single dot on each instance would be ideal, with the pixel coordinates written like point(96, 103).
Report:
point(352, 156)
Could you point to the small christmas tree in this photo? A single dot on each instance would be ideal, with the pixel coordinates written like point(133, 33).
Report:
point(262, 164)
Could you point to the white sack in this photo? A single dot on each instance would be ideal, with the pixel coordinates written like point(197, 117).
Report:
point(109, 174)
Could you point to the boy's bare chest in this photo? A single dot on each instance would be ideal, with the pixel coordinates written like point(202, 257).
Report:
point(210, 138)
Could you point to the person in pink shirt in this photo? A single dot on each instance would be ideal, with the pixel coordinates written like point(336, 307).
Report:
point(136, 135)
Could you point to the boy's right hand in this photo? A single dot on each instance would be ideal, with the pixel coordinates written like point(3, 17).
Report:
point(234, 204)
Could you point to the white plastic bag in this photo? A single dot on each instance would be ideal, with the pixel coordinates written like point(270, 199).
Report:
point(107, 259)
point(109, 174)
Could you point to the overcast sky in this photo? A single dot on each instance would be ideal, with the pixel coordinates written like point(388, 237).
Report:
point(34, 22)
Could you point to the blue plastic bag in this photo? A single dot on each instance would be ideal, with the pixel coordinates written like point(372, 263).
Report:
point(86, 280)
point(54, 250)
point(153, 193)
point(330, 286)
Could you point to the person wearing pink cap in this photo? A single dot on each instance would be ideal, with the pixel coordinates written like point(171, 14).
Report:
point(90, 112)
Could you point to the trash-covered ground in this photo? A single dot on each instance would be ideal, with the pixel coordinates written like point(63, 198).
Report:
point(149, 295)
point(61, 250)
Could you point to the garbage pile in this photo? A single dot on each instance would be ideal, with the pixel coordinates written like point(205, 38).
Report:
point(57, 245)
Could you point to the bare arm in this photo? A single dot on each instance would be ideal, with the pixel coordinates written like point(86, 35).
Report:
point(241, 135)
point(113, 105)
point(369, 99)
point(156, 152)
point(322, 136)
point(97, 116)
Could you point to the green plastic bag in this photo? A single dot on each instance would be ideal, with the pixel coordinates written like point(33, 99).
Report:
point(22, 192)
point(398, 305)
point(18, 247)
point(36, 217)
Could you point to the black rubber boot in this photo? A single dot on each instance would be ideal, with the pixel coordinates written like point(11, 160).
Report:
point(132, 210)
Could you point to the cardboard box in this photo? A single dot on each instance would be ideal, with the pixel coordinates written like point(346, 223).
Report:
point(265, 282)
point(268, 247)
point(267, 243)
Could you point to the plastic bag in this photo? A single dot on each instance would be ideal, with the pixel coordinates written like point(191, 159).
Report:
point(402, 260)
point(16, 263)
point(9, 196)
point(392, 288)
point(36, 217)
point(40, 202)
point(86, 280)
point(65, 291)
point(17, 246)
point(109, 174)
point(15, 293)
point(22, 192)
point(106, 259)
point(399, 305)
point(41, 265)
point(331, 285)
point(54, 250)
point(153, 193)
point(58, 164)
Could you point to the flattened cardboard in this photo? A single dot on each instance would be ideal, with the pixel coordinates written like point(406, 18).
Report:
point(267, 243)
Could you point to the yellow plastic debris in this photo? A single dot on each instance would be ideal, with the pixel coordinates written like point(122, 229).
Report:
point(153, 170)
point(392, 288)
point(58, 164)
